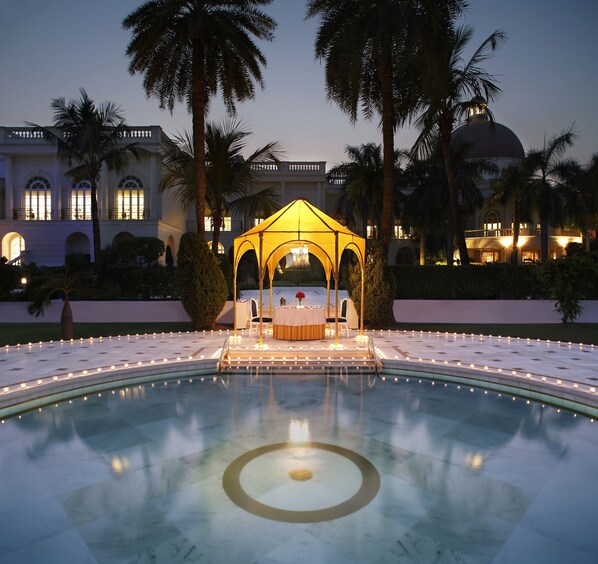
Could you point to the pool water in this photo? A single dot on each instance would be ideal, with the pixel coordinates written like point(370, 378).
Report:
point(380, 472)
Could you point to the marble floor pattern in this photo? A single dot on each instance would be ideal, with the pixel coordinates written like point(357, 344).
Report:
point(136, 476)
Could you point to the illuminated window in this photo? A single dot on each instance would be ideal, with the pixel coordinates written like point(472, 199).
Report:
point(81, 200)
point(258, 220)
point(225, 225)
point(16, 246)
point(130, 199)
point(371, 231)
point(492, 221)
point(489, 257)
point(529, 256)
point(38, 199)
point(220, 247)
point(401, 232)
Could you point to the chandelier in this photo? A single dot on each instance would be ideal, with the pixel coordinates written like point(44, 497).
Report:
point(300, 257)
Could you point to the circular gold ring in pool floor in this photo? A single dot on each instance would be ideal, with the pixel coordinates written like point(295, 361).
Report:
point(370, 484)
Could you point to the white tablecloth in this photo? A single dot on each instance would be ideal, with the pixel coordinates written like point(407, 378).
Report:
point(299, 316)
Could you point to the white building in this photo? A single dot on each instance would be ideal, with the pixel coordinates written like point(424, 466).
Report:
point(44, 216)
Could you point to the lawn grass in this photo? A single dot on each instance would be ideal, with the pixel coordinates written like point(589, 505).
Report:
point(13, 333)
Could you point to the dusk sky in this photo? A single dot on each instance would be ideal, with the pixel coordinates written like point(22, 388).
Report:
point(546, 69)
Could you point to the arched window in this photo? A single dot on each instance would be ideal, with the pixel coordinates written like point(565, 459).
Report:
point(130, 199)
point(81, 200)
point(13, 245)
point(220, 247)
point(492, 223)
point(38, 199)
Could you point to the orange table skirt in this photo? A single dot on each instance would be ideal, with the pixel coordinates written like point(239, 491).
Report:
point(299, 332)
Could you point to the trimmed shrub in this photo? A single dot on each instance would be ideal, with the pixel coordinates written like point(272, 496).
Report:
point(467, 282)
point(379, 288)
point(202, 285)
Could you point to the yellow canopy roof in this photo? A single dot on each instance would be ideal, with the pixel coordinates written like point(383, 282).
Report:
point(299, 223)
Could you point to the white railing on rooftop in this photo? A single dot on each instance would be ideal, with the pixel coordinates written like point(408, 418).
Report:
point(31, 134)
point(292, 166)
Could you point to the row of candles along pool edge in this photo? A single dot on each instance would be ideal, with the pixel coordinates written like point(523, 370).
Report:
point(561, 382)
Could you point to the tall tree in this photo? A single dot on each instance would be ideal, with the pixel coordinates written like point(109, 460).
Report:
point(367, 50)
point(360, 198)
point(509, 189)
point(550, 176)
point(427, 207)
point(229, 174)
point(447, 87)
point(87, 137)
point(189, 50)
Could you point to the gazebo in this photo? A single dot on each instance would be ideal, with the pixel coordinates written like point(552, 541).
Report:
point(300, 223)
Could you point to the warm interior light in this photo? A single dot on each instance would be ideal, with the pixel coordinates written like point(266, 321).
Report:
point(300, 257)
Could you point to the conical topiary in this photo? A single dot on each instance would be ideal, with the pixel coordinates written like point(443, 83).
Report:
point(202, 284)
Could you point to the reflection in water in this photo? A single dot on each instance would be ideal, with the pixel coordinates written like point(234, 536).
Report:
point(146, 463)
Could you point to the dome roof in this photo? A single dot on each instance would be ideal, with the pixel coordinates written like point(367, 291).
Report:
point(488, 139)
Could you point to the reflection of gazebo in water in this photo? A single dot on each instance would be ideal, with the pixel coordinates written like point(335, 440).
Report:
point(300, 223)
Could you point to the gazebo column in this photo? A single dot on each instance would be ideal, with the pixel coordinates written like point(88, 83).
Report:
point(328, 293)
point(336, 269)
point(261, 282)
point(361, 308)
point(271, 278)
point(235, 296)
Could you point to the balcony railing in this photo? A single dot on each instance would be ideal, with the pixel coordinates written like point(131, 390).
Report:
point(295, 167)
point(523, 232)
point(75, 214)
point(32, 215)
point(128, 216)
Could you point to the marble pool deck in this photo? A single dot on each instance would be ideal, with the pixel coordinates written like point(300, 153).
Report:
point(564, 374)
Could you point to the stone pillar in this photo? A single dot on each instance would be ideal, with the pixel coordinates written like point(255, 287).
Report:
point(9, 191)
point(283, 195)
point(319, 205)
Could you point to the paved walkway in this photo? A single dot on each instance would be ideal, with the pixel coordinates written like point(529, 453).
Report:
point(543, 370)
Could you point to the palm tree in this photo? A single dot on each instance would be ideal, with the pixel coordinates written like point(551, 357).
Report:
point(509, 188)
point(549, 180)
point(362, 178)
point(428, 208)
point(89, 136)
point(190, 49)
point(367, 47)
point(447, 89)
point(60, 286)
point(228, 173)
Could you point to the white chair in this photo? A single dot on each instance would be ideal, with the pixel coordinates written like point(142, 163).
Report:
point(254, 319)
point(342, 318)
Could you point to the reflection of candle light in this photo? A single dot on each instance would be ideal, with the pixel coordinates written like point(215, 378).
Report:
point(475, 461)
point(299, 431)
point(120, 465)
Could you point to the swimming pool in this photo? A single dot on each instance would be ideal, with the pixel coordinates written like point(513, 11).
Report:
point(407, 471)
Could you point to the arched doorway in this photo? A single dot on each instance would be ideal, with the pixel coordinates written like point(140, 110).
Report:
point(77, 244)
point(121, 236)
point(13, 246)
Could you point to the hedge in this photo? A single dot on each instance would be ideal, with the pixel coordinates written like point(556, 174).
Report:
point(500, 282)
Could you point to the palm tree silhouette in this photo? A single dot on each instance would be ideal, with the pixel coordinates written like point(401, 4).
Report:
point(189, 50)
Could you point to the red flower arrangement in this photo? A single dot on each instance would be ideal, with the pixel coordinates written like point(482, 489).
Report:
point(299, 295)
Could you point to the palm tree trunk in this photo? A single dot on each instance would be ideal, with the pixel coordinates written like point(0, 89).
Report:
point(199, 104)
point(543, 239)
point(95, 227)
point(516, 224)
point(386, 229)
point(66, 321)
point(216, 233)
point(451, 180)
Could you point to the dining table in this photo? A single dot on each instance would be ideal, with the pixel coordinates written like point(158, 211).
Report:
point(299, 323)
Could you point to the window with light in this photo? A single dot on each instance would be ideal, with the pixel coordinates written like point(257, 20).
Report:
point(38, 199)
point(130, 199)
point(81, 200)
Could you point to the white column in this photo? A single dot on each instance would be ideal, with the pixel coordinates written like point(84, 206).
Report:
point(57, 192)
point(9, 194)
point(319, 205)
point(155, 199)
point(283, 195)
